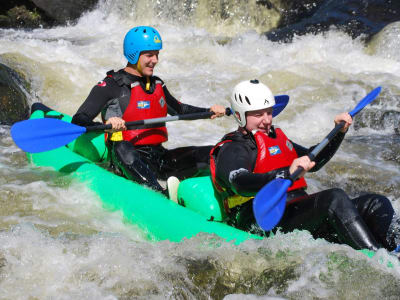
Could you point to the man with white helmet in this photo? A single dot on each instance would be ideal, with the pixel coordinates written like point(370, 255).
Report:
point(132, 94)
point(258, 152)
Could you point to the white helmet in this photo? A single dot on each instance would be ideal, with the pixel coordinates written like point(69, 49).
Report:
point(250, 95)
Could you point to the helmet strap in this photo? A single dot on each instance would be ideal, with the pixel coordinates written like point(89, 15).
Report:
point(139, 68)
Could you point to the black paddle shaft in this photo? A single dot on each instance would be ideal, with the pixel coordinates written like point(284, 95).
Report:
point(293, 177)
point(159, 121)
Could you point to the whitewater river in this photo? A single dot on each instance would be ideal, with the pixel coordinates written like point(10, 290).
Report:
point(56, 240)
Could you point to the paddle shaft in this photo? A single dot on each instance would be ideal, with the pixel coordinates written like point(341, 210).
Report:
point(193, 116)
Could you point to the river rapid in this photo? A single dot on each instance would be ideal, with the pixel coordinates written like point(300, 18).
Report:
point(56, 240)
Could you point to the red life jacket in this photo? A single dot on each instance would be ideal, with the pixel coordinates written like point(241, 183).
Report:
point(146, 106)
point(276, 153)
point(272, 154)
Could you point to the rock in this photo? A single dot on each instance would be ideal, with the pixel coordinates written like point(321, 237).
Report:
point(13, 97)
point(42, 13)
point(382, 114)
point(352, 16)
point(378, 120)
point(63, 11)
point(22, 14)
point(293, 11)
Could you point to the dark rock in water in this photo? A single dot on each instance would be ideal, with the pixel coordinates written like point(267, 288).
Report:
point(23, 14)
point(20, 16)
point(378, 120)
point(295, 11)
point(382, 114)
point(63, 11)
point(352, 16)
point(13, 97)
point(41, 13)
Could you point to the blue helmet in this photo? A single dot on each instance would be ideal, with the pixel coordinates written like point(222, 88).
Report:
point(138, 39)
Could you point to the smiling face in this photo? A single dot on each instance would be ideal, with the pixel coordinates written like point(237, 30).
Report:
point(259, 120)
point(147, 62)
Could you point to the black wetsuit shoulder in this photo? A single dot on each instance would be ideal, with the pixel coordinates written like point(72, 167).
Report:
point(98, 97)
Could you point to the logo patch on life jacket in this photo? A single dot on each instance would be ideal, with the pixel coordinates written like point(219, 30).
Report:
point(289, 145)
point(143, 104)
point(102, 83)
point(274, 150)
point(162, 101)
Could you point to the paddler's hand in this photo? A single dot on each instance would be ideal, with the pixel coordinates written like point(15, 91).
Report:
point(117, 124)
point(218, 111)
point(303, 162)
point(346, 118)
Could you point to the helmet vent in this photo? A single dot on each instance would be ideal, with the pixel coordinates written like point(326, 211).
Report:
point(240, 98)
point(247, 100)
point(144, 30)
point(136, 29)
point(132, 56)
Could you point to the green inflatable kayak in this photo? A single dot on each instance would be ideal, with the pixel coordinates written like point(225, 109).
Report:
point(159, 217)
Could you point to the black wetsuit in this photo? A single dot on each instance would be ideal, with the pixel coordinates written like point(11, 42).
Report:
point(365, 222)
point(143, 164)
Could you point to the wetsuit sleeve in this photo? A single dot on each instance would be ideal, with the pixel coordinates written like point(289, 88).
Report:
point(325, 155)
point(95, 102)
point(177, 108)
point(234, 170)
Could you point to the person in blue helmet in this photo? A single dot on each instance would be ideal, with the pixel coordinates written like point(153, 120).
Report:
point(134, 93)
point(258, 152)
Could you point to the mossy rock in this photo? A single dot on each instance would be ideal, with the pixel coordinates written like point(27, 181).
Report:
point(13, 97)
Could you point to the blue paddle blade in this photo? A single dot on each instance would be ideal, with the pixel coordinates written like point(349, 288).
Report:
point(365, 101)
point(280, 103)
point(39, 135)
point(269, 203)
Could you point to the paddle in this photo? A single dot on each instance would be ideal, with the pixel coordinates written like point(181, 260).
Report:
point(39, 135)
point(269, 203)
point(280, 103)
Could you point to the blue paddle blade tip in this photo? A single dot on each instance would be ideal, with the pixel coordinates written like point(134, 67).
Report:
point(371, 96)
point(280, 103)
point(39, 135)
point(269, 203)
